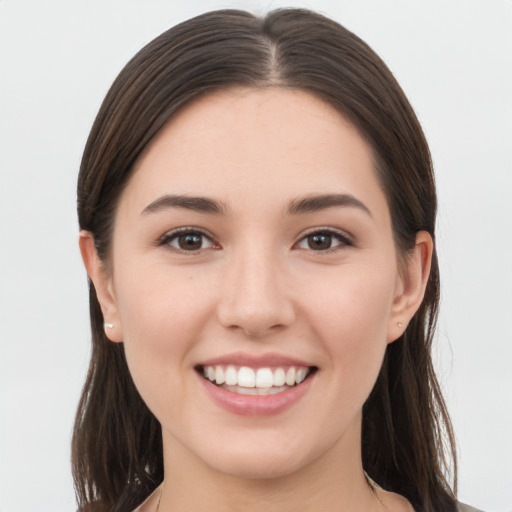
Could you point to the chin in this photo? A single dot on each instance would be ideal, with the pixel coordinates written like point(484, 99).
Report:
point(258, 468)
point(256, 461)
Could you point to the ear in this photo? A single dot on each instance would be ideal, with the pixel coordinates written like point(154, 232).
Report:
point(102, 281)
point(411, 285)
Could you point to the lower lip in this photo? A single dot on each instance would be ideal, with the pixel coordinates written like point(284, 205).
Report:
point(257, 405)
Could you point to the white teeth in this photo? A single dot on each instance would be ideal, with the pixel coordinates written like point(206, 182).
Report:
point(219, 375)
point(256, 391)
point(246, 377)
point(290, 376)
point(279, 377)
point(274, 391)
point(231, 376)
point(246, 391)
point(263, 380)
point(301, 375)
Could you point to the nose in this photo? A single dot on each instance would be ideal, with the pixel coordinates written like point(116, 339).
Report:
point(255, 298)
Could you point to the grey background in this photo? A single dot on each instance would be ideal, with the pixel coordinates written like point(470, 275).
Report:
point(57, 59)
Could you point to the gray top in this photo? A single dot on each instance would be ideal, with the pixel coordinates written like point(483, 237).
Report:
point(467, 508)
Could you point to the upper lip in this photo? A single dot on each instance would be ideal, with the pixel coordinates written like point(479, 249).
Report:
point(255, 361)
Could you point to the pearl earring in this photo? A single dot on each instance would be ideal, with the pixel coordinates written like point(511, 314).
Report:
point(110, 326)
point(400, 324)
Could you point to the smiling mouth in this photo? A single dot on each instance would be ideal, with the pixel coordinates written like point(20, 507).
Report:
point(256, 381)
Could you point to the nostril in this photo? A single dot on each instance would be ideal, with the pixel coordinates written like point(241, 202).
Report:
point(259, 331)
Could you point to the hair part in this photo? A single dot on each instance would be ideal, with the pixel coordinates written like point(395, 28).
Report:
point(408, 444)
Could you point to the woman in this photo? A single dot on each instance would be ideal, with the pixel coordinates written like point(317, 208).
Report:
point(257, 208)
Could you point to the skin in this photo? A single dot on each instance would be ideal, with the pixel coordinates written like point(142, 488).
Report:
point(256, 286)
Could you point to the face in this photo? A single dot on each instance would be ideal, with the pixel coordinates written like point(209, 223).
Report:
point(254, 281)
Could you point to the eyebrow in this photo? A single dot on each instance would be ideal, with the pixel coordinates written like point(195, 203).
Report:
point(316, 203)
point(198, 204)
point(308, 204)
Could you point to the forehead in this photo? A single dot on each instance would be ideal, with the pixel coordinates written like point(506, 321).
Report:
point(271, 143)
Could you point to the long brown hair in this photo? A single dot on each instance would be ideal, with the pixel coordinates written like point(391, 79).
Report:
point(408, 444)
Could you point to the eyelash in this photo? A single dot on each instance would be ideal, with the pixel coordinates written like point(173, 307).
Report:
point(343, 239)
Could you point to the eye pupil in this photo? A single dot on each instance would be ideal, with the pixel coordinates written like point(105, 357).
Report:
point(319, 241)
point(190, 242)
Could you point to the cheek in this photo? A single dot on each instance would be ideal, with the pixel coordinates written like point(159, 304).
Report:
point(356, 302)
point(161, 314)
point(157, 304)
point(351, 318)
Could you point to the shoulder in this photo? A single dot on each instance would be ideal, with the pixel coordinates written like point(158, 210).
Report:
point(461, 507)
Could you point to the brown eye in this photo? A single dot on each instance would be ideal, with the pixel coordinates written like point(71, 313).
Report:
point(325, 241)
point(319, 241)
point(190, 242)
point(187, 241)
